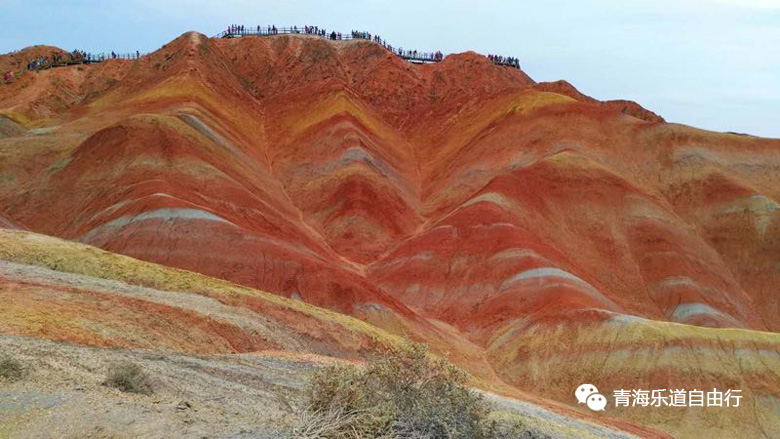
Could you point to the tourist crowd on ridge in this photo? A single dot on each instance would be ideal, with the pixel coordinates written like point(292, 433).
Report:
point(75, 57)
point(505, 60)
point(413, 55)
point(81, 57)
point(56, 59)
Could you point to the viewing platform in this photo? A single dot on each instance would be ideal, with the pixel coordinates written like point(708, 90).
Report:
point(235, 31)
point(414, 56)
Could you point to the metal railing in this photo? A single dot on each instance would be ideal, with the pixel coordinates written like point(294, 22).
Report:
point(75, 58)
point(235, 31)
point(104, 56)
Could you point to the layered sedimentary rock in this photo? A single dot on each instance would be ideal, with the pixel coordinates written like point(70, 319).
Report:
point(538, 236)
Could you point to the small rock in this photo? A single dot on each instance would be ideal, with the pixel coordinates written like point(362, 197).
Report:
point(183, 405)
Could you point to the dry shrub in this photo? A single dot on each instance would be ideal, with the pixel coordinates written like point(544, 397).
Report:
point(129, 377)
point(404, 393)
point(10, 368)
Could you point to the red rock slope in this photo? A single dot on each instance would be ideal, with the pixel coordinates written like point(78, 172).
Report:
point(542, 237)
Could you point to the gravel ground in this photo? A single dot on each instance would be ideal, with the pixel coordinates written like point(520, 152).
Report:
point(62, 396)
point(224, 396)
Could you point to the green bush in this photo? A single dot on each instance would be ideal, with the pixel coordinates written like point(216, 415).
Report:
point(129, 377)
point(403, 393)
point(10, 368)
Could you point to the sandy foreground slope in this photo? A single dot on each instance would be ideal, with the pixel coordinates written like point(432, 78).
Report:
point(224, 396)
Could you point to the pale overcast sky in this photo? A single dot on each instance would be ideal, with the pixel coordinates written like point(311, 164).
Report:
point(713, 64)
